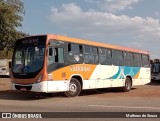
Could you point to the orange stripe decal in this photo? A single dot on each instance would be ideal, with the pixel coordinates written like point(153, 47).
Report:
point(137, 75)
point(85, 70)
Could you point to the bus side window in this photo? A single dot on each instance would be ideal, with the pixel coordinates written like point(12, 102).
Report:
point(102, 56)
point(51, 58)
point(56, 55)
point(108, 57)
point(91, 55)
point(74, 53)
point(88, 58)
point(128, 58)
point(145, 60)
point(95, 55)
point(50, 52)
point(118, 57)
point(59, 55)
point(137, 60)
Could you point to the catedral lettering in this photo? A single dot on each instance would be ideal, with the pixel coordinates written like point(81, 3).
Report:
point(53, 63)
point(79, 68)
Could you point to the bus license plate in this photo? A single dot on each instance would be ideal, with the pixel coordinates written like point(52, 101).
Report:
point(23, 89)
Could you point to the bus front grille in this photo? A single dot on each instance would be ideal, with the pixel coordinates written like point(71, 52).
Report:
point(23, 88)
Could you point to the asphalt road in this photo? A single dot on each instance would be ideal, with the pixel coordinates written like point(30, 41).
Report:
point(139, 99)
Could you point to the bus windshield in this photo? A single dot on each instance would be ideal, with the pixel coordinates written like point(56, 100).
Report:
point(28, 57)
point(156, 67)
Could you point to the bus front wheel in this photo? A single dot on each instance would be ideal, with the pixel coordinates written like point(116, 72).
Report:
point(127, 86)
point(74, 88)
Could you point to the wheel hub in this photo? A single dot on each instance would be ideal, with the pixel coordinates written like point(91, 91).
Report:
point(73, 87)
point(128, 85)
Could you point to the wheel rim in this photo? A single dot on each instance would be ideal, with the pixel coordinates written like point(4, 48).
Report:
point(73, 87)
point(128, 85)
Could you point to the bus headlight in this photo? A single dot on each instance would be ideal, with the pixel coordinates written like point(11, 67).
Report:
point(39, 79)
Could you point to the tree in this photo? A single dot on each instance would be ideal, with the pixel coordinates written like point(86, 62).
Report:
point(11, 12)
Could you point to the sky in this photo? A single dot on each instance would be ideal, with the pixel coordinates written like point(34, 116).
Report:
point(129, 23)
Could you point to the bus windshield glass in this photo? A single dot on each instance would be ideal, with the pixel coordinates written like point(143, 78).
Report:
point(29, 55)
point(156, 67)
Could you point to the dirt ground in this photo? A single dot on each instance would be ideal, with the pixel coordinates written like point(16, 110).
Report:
point(5, 84)
point(151, 90)
point(148, 91)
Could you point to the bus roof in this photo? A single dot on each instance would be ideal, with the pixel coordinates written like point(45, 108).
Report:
point(93, 43)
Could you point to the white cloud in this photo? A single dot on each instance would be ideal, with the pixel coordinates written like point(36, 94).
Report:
point(91, 1)
point(135, 32)
point(117, 5)
point(114, 6)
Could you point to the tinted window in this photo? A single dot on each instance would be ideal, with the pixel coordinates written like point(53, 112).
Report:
point(156, 66)
point(95, 55)
point(145, 59)
point(128, 59)
point(91, 55)
point(87, 49)
point(94, 50)
point(74, 53)
point(102, 56)
point(105, 56)
point(55, 55)
point(73, 48)
point(59, 55)
point(28, 58)
point(108, 57)
point(137, 60)
point(117, 57)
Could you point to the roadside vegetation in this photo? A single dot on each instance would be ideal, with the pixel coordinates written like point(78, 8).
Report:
point(11, 17)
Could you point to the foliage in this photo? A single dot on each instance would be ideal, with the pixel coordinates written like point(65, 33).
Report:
point(11, 17)
point(11, 12)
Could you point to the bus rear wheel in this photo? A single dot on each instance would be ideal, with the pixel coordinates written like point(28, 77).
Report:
point(74, 88)
point(128, 85)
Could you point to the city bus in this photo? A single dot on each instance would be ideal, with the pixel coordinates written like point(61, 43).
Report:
point(54, 63)
point(5, 65)
point(155, 70)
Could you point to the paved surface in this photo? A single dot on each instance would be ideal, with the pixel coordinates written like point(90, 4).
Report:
point(140, 99)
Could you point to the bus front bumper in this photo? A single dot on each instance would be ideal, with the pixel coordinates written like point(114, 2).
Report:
point(44, 86)
point(155, 77)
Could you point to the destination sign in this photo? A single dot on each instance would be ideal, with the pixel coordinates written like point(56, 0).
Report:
point(35, 40)
point(30, 40)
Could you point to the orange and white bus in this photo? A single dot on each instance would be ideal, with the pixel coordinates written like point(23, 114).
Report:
point(53, 63)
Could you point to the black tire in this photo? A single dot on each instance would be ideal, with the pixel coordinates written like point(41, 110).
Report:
point(128, 85)
point(74, 88)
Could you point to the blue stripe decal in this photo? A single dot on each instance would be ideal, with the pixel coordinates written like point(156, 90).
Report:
point(125, 70)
